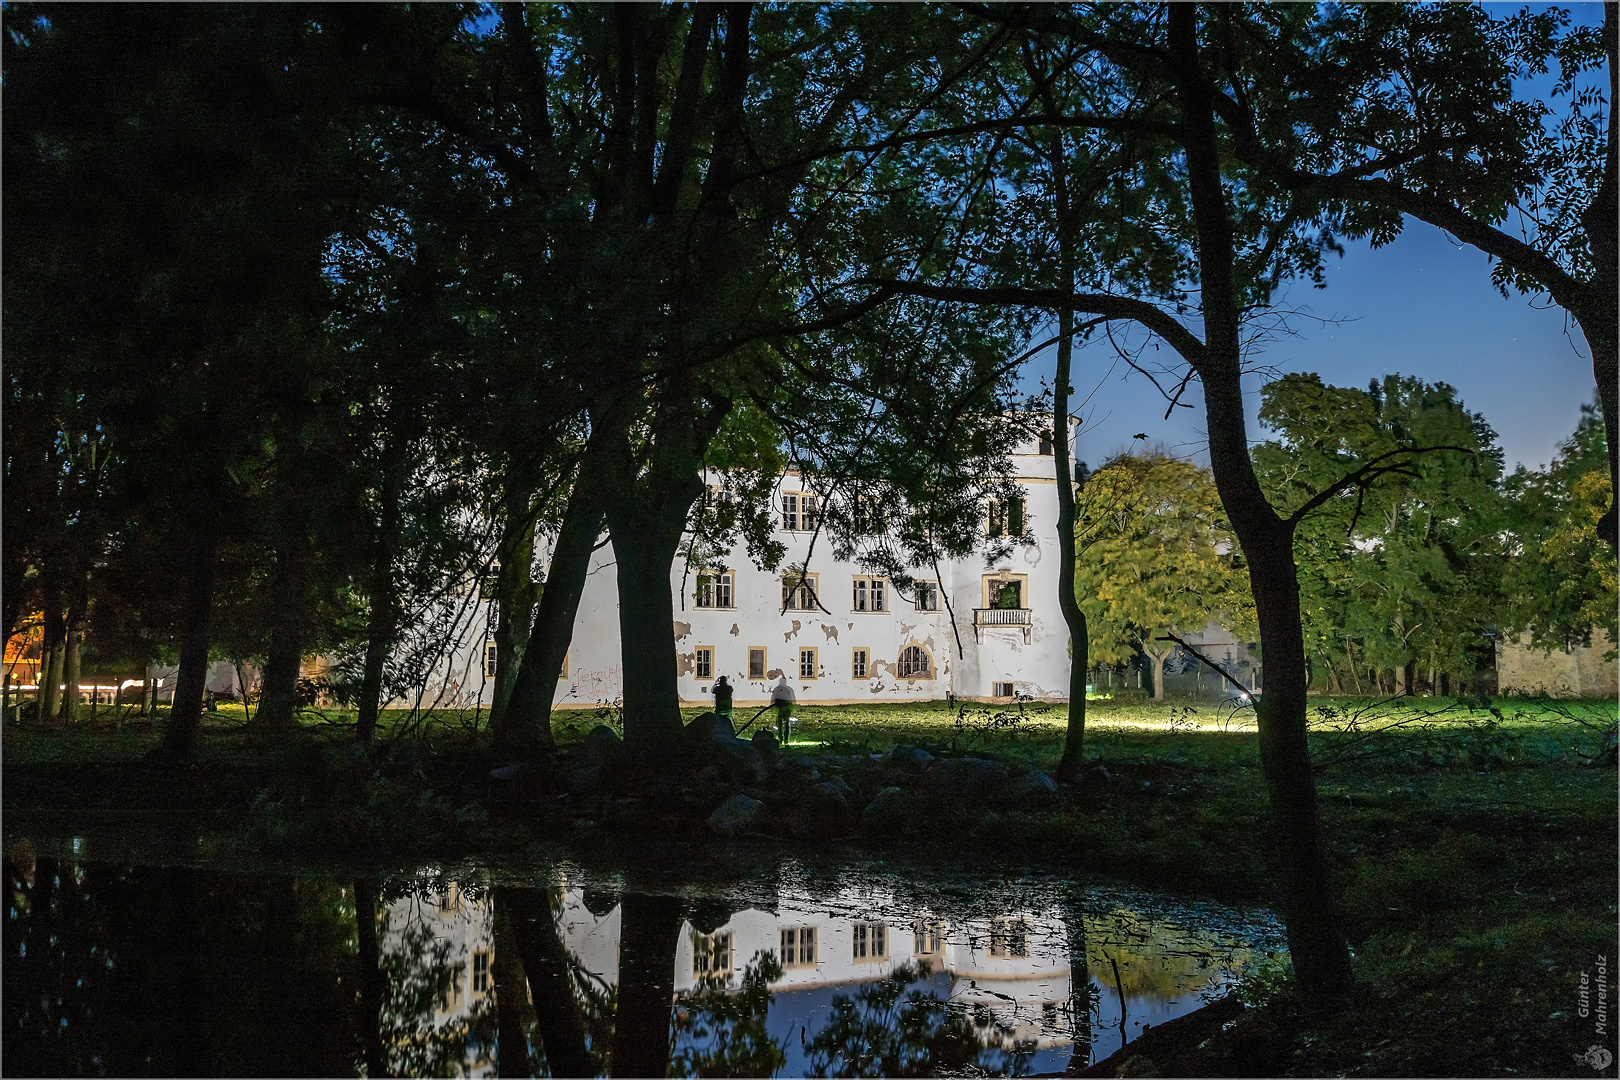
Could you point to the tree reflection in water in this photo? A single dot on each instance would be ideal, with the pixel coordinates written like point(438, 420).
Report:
point(888, 1028)
point(722, 1032)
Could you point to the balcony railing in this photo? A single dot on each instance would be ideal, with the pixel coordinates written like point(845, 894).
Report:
point(1012, 618)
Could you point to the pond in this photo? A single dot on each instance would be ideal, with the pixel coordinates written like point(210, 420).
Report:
point(564, 968)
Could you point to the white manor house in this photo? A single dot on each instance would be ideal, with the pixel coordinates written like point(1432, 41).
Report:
point(866, 641)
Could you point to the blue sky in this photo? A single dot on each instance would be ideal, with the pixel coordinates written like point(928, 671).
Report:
point(1421, 306)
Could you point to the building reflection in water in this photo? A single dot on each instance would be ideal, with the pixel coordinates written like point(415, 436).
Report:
point(999, 992)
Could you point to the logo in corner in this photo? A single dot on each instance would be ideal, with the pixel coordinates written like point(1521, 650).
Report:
point(1598, 1057)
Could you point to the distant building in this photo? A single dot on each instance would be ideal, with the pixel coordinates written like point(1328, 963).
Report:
point(1579, 672)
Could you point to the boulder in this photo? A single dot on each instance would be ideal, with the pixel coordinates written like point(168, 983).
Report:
point(967, 772)
point(508, 773)
point(766, 745)
point(831, 794)
point(910, 757)
point(734, 815)
point(709, 727)
point(603, 741)
point(889, 807)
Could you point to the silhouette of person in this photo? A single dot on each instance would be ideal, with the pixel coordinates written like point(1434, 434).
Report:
point(722, 697)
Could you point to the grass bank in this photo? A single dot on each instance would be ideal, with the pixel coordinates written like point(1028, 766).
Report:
point(1474, 844)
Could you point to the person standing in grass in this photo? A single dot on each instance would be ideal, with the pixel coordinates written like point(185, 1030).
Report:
point(722, 698)
point(784, 698)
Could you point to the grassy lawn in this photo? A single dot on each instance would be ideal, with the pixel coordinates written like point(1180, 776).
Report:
point(1475, 850)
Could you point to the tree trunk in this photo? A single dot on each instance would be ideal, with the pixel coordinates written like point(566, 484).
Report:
point(511, 999)
point(384, 616)
point(515, 593)
point(526, 724)
point(1320, 955)
point(652, 704)
point(72, 664)
point(1599, 320)
point(545, 961)
point(1074, 738)
point(372, 980)
point(1156, 659)
point(50, 661)
point(185, 715)
point(650, 929)
point(279, 693)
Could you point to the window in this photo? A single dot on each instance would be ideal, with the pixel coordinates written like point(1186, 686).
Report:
point(859, 661)
point(798, 946)
point(1004, 592)
point(799, 592)
point(807, 663)
point(1045, 447)
point(1002, 689)
point(711, 954)
point(800, 511)
point(704, 661)
point(871, 594)
point(756, 662)
point(716, 589)
point(450, 988)
point(1005, 517)
point(927, 937)
point(480, 979)
point(489, 581)
point(491, 654)
point(450, 900)
point(927, 598)
point(870, 517)
point(914, 663)
point(1009, 938)
point(871, 941)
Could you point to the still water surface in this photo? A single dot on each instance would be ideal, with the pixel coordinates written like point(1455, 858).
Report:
point(127, 970)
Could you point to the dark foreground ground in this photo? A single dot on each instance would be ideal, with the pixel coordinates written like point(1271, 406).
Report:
point(1475, 849)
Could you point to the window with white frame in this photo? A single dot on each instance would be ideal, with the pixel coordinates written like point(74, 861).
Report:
point(927, 598)
point(491, 654)
point(860, 661)
point(914, 663)
point(716, 589)
point(799, 592)
point(703, 662)
point(1009, 938)
point(481, 981)
point(801, 510)
point(756, 661)
point(807, 663)
point(870, 594)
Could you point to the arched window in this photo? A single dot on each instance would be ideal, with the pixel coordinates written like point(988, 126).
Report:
point(914, 663)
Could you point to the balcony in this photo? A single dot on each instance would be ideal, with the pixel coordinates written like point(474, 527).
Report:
point(998, 618)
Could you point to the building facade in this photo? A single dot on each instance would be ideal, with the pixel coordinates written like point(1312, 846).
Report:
point(837, 634)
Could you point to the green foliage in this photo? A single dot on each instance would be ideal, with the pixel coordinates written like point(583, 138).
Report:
point(725, 1028)
point(1560, 584)
point(1156, 555)
point(1400, 566)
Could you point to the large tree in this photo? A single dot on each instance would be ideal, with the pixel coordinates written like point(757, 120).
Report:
point(1156, 559)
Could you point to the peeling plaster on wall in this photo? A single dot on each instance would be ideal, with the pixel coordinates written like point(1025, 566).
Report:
point(682, 631)
point(734, 630)
point(791, 634)
point(1032, 555)
point(830, 631)
point(852, 626)
point(686, 662)
point(774, 673)
point(906, 629)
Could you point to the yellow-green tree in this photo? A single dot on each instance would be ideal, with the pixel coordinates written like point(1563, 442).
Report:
point(1156, 557)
